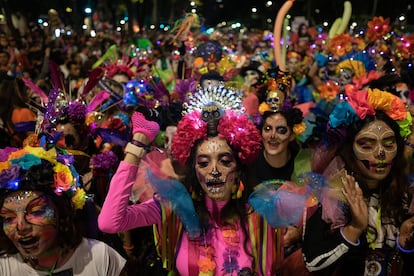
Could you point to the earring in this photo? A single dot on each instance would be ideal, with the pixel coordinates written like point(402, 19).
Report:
point(237, 194)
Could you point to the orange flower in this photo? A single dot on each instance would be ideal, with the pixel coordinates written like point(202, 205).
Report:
point(377, 28)
point(206, 265)
point(62, 181)
point(328, 90)
point(340, 45)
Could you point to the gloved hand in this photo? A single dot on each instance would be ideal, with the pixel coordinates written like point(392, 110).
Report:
point(142, 125)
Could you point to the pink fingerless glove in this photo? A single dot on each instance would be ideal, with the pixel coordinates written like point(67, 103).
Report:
point(142, 125)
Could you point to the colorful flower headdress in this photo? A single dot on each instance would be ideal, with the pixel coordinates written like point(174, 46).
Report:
point(16, 174)
point(358, 104)
point(216, 111)
point(277, 100)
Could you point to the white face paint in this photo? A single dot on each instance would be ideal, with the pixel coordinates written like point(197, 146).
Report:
point(216, 168)
point(375, 148)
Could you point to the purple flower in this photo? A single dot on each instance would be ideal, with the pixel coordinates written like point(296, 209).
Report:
point(8, 175)
point(4, 153)
point(105, 160)
point(77, 111)
point(66, 159)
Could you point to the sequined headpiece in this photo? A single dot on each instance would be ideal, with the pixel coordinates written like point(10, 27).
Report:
point(216, 111)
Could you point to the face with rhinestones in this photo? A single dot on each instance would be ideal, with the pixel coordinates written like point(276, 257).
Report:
point(276, 134)
point(216, 168)
point(29, 220)
point(375, 148)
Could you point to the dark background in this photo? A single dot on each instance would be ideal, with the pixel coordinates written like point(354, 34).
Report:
point(212, 11)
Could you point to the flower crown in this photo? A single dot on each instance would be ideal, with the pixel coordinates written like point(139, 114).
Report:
point(358, 104)
point(232, 124)
point(15, 174)
point(277, 101)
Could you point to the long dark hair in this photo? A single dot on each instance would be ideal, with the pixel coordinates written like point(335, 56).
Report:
point(394, 188)
point(235, 209)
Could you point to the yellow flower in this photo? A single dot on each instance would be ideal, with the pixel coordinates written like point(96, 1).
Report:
point(78, 200)
point(263, 107)
point(4, 165)
point(299, 128)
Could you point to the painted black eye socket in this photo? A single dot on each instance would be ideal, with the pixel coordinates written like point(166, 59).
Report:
point(216, 114)
point(281, 129)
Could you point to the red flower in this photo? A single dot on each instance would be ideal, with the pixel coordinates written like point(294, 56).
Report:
point(377, 28)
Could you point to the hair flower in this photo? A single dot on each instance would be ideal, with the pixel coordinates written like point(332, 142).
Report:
point(62, 182)
point(26, 161)
point(342, 114)
point(377, 28)
point(299, 128)
point(8, 175)
point(405, 125)
point(104, 161)
point(79, 199)
point(358, 99)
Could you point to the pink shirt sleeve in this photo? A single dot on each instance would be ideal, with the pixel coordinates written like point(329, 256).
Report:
point(117, 214)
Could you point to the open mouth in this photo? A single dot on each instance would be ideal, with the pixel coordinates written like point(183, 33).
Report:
point(28, 242)
point(215, 185)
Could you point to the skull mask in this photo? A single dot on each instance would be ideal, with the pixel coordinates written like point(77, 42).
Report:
point(275, 99)
point(211, 114)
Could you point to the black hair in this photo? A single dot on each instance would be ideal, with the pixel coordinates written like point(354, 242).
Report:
point(234, 209)
point(394, 187)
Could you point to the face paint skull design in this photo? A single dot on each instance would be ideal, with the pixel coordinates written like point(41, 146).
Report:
point(375, 148)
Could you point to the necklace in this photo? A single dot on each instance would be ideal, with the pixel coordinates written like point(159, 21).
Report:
point(34, 262)
point(206, 262)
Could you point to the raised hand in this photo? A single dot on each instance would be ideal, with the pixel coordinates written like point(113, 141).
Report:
point(359, 208)
point(406, 236)
point(142, 125)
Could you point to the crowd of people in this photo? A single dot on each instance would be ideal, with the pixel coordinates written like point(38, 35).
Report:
point(187, 153)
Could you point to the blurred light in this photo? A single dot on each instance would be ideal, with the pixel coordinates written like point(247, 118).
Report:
point(269, 20)
point(209, 30)
point(68, 33)
point(325, 24)
point(45, 24)
point(317, 11)
point(68, 9)
point(269, 3)
point(401, 18)
point(93, 33)
point(162, 26)
point(126, 18)
point(254, 10)
point(57, 32)
point(88, 10)
point(40, 21)
point(193, 11)
point(152, 26)
point(118, 29)
point(122, 22)
point(192, 3)
point(84, 27)
point(288, 28)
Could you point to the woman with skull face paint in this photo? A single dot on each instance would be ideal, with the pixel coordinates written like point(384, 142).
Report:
point(205, 226)
point(371, 224)
point(41, 234)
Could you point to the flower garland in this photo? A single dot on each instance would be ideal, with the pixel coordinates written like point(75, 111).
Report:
point(206, 262)
point(360, 103)
point(14, 163)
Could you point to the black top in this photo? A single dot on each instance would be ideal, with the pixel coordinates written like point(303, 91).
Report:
point(260, 171)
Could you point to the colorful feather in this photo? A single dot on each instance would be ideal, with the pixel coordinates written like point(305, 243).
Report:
point(180, 199)
point(36, 89)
